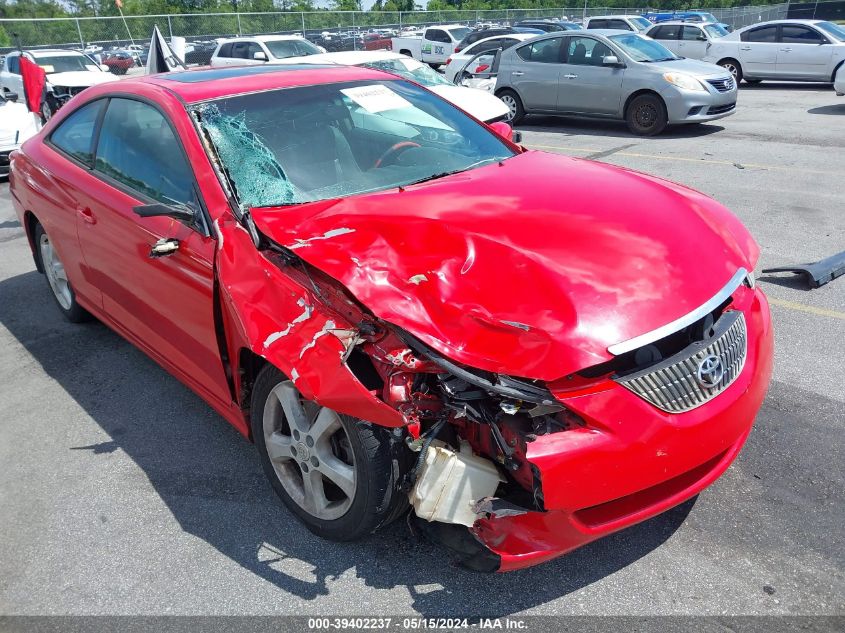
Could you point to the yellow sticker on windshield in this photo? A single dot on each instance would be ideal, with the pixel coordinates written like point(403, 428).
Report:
point(47, 68)
point(377, 98)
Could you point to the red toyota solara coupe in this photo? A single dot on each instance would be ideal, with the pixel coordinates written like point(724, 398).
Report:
point(402, 307)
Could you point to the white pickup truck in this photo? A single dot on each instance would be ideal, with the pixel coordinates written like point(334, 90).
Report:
point(435, 45)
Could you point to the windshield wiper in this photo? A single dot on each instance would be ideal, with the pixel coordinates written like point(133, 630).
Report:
point(449, 173)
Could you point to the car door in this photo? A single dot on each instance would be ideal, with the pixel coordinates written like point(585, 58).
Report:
point(804, 53)
point(693, 42)
point(538, 73)
point(668, 35)
point(10, 77)
point(162, 301)
point(587, 85)
point(223, 56)
point(66, 190)
point(242, 54)
point(758, 51)
point(436, 46)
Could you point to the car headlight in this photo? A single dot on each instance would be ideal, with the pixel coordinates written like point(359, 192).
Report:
point(687, 82)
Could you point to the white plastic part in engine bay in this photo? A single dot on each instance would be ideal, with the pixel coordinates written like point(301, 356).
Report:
point(449, 483)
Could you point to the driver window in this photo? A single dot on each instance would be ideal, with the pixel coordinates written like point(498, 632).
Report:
point(138, 149)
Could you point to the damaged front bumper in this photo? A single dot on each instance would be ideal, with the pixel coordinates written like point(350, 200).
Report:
point(630, 461)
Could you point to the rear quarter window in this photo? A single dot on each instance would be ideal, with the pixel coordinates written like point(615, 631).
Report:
point(75, 135)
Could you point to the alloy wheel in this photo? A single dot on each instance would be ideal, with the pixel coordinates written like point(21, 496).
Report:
point(310, 452)
point(731, 68)
point(55, 271)
point(509, 101)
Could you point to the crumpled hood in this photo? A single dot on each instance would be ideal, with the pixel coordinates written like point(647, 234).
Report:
point(80, 79)
point(479, 103)
point(530, 268)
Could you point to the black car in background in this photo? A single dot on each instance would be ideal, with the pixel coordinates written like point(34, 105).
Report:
point(548, 26)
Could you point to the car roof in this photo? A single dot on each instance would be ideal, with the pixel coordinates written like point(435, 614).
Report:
point(348, 57)
point(195, 85)
point(682, 23)
point(518, 36)
point(615, 15)
point(605, 32)
point(785, 21)
point(49, 52)
point(261, 38)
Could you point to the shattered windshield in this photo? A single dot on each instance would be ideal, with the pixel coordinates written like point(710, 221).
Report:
point(313, 143)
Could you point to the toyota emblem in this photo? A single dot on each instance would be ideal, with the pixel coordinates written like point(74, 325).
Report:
point(710, 372)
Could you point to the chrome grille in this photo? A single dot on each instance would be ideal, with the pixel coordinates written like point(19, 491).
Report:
point(723, 85)
point(673, 384)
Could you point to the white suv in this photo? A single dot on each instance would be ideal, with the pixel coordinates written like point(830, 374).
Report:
point(635, 23)
point(261, 49)
point(68, 74)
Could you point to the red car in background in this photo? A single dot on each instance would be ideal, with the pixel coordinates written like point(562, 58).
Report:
point(376, 42)
point(359, 276)
point(119, 62)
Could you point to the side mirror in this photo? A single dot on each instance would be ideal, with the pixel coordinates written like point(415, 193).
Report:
point(260, 56)
point(104, 68)
point(702, 38)
point(158, 209)
point(11, 96)
point(502, 129)
point(611, 60)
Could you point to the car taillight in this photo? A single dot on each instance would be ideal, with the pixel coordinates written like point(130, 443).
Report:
point(457, 49)
point(482, 67)
point(448, 61)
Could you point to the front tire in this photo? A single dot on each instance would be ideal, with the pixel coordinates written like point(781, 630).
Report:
point(54, 270)
point(339, 475)
point(516, 112)
point(646, 115)
point(733, 67)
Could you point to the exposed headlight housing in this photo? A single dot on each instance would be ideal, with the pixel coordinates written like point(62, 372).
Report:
point(750, 281)
point(686, 82)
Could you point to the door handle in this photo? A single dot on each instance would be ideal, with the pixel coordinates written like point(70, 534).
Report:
point(86, 214)
point(517, 73)
point(164, 247)
point(785, 50)
point(571, 76)
point(745, 48)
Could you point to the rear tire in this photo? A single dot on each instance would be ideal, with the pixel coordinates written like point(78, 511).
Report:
point(733, 67)
point(305, 448)
point(54, 271)
point(646, 115)
point(516, 112)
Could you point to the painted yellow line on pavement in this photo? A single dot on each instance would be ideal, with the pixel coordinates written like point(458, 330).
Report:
point(802, 307)
point(708, 161)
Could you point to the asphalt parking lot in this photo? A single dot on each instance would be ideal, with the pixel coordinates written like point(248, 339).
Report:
point(123, 493)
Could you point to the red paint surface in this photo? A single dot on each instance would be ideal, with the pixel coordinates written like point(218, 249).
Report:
point(582, 255)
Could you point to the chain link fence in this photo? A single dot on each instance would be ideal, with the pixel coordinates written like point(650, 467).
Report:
point(341, 28)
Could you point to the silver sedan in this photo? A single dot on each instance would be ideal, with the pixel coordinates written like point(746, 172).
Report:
point(612, 74)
